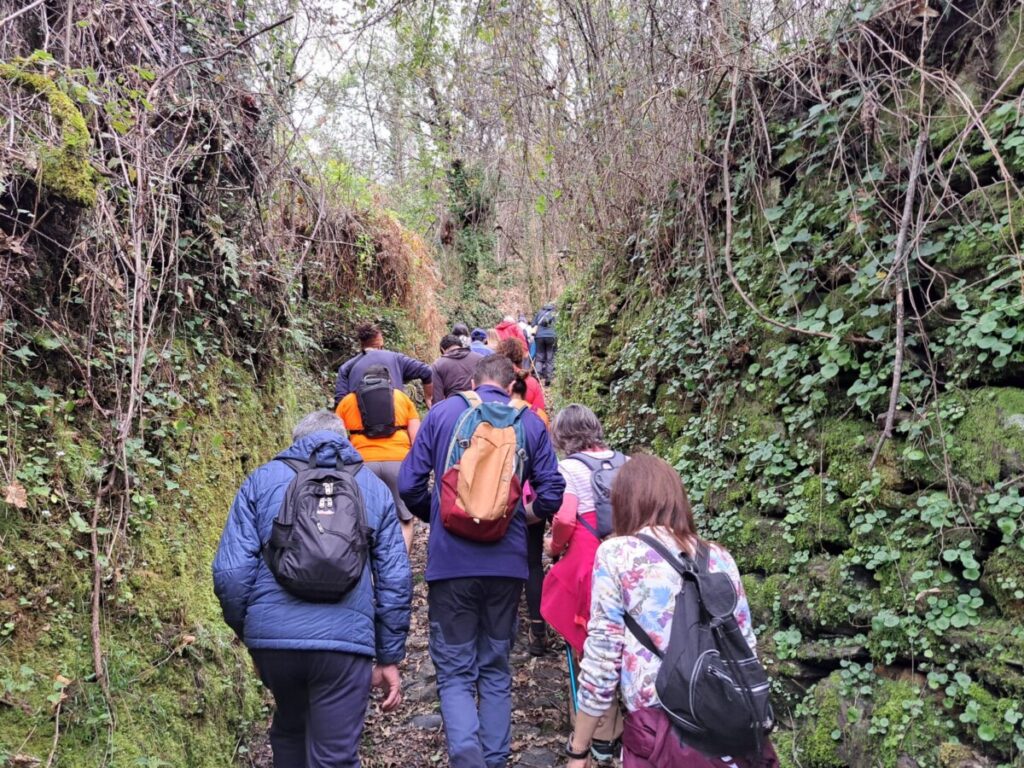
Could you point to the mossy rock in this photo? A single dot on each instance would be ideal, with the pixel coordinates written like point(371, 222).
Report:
point(847, 446)
point(1010, 53)
point(895, 726)
point(674, 408)
point(826, 598)
point(987, 443)
point(1003, 577)
point(749, 420)
point(758, 544)
point(825, 525)
point(64, 170)
point(954, 755)
point(763, 594)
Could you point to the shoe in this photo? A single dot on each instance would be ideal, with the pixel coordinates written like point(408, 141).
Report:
point(605, 751)
point(538, 638)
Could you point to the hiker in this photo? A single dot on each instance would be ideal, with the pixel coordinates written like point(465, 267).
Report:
point(508, 328)
point(474, 585)
point(511, 349)
point(382, 422)
point(546, 341)
point(402, 368)
point(319, 659)
point(453, 371)
point(478, 342)
point(493, 339)
point(461, 331)
point(577, 529)
point(634, 585)
point(528, 331)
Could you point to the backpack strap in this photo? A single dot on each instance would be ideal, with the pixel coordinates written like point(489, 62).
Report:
point(472, 398)
point(640, 634)
point(684, 568)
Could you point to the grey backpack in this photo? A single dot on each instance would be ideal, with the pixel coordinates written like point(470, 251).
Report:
point(320, 539)
point(602, 475)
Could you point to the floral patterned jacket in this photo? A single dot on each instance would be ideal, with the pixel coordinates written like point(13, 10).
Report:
point(629, 575)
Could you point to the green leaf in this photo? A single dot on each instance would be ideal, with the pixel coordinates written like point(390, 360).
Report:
point(835, 315)
point(829, 371)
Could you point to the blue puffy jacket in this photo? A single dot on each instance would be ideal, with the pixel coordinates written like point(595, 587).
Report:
point(371, 620)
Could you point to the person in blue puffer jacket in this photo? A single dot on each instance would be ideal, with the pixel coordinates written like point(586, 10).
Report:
point(318, 659)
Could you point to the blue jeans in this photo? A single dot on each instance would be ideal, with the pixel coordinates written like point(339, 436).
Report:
point(472, 628)
point(321, 699)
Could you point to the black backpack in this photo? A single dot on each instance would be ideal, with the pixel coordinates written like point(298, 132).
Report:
point(376, 399)
point(602, 474)
point(320, 540)
point(711, 685)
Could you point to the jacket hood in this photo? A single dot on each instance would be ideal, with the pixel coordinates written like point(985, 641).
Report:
point(549, 305)
point(506, 324)
point(457, 353)
point(336, 446)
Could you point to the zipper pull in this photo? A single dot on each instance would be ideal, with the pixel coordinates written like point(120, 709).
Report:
point(319, 526)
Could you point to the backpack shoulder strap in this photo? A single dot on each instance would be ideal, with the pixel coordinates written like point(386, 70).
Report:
point(669, 557)
point(296, 464)
point(472, 398)
point(640, 634)
point(588, 461)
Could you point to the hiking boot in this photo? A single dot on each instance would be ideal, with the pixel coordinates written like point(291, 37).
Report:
point(604, 752)
point(538, 638)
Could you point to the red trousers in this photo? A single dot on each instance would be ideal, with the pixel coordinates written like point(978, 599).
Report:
point(648, 741)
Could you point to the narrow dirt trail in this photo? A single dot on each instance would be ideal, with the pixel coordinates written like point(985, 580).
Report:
point(413, 736)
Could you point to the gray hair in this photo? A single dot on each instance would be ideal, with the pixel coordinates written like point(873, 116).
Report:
point(576, 428)
point(319, 421)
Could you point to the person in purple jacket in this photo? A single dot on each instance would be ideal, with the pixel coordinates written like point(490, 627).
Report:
point(474, 588)
point(402, 368)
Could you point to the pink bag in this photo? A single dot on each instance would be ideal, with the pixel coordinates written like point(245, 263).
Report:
point(648, 741)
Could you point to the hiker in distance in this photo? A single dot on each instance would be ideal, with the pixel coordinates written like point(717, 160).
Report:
point(644, 611)
point(547, 343)
point(481, 451)
point(453, 370)
point(402, 368)
point(478, 342)
point(323, 623)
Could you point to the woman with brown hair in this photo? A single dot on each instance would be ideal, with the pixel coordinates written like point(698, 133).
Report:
point(629, 576)
point(513, 350)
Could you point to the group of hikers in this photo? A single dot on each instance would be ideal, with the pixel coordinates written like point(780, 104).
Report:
point(313, 570)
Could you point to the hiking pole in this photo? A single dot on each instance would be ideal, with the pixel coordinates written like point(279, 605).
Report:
point(572, 678)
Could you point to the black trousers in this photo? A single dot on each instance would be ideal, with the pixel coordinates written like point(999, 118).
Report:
point(545, 361)
point(321, 699)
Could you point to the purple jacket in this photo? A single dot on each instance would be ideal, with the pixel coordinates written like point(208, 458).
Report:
point(402, 368)
point(453, 557)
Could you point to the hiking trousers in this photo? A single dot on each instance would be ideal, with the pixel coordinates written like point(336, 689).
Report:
point(544, 363)
point(472, 628)
point(321, 699)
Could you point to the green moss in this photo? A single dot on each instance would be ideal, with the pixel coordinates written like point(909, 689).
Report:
point(749, 420)
point(763, 596)
point(817, 741)
point(847, 450)
point(825, 598)
point(908, 723)
point(747, 544)
point(1010, 54)
point(989, 438)
point(825, 523)
point(64, 170)
point(182, 689)
point(1003, 577)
